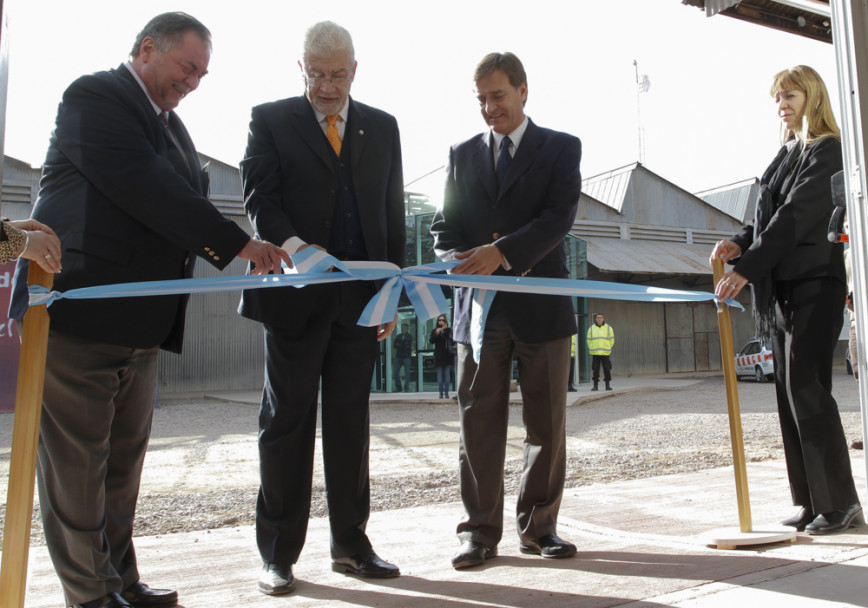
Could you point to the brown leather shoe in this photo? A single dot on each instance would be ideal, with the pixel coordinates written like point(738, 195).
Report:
point(367, 564)
point(549, 545)
point(856, 445)
point(140, 595)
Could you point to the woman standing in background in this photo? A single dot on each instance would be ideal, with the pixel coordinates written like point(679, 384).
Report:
point(444, 355)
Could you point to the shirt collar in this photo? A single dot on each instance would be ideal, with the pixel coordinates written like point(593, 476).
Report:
point(514, 137)
point(157, 108)
point(321, 117)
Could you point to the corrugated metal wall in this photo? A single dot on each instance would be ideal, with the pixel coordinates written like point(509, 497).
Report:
point(653, 201)
point(640, 335)
point(20, 182)
point(656, 338)
point(222, 350)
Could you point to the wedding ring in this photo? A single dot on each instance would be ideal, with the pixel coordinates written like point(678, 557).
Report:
point(47, 255)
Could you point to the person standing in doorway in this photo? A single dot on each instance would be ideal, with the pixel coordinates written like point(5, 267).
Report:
point(444, 355)
point(601, 339)
point(403, 345)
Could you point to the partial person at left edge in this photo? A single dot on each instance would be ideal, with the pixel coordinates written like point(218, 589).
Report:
point(123, 189)
point(29, 240)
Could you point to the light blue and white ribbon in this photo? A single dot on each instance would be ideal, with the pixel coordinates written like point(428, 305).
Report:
point(312, 266)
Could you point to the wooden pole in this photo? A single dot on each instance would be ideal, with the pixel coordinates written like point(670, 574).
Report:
point(726, 350)
point(25, 438)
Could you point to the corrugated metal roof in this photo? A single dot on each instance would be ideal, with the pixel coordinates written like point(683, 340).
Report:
point(648, 257)
point(808, 18)
point(737, 200)
point(610, 188)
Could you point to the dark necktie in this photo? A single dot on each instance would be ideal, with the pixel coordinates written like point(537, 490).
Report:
point(164, 120)
point(503, 160)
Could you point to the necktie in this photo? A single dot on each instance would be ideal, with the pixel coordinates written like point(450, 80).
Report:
point(332, 133)
point(164, 120)
point(503, 160)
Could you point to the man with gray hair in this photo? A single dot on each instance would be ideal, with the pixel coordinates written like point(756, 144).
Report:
point(123, 189)
point(321, 170)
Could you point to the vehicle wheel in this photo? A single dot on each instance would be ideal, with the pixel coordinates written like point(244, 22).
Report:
point(760, 376)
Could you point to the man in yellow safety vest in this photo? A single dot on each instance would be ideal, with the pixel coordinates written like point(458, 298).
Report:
point(601, 339)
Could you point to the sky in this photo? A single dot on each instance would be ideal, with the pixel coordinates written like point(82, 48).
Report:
point(707, 118)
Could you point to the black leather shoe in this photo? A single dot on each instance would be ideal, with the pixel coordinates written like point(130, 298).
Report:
point(367, 564)
point(276, 579)
point(837, 521)
point(472, 554)
point(549, 545)
point(800, 520)
point(112, 600)
point(139, 594)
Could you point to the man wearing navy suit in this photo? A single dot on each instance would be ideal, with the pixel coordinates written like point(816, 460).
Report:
point(123, 189)
point(511, 198)
point(321, 170)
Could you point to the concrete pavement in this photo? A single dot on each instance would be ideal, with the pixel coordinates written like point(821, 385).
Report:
point(583, 395)
point(640, 545)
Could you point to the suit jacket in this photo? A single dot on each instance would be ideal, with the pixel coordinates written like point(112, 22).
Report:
point(290, 189)
point(127, 205)
point(527, 220)
point(794, 244)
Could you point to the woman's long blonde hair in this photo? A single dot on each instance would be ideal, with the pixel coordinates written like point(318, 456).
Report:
point(817, 120)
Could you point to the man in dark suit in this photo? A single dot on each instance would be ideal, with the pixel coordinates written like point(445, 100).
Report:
point(321, 170)
point(511, 197)
point(127, 198)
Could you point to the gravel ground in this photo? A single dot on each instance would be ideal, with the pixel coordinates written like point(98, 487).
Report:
point(201, 471)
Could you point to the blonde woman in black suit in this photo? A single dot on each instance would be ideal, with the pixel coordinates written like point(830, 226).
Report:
point(799, 287)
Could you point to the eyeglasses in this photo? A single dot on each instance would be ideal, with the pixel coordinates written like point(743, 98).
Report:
point(336, 79)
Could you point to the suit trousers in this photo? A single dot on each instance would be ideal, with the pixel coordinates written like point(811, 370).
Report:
point(483, 400)
point(98, 404)
point(333, 349)
point(808, 321)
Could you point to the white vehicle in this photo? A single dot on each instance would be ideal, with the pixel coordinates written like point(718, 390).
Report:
point(755, 360)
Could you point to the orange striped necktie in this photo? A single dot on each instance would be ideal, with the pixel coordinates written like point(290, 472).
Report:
point(332, 133)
